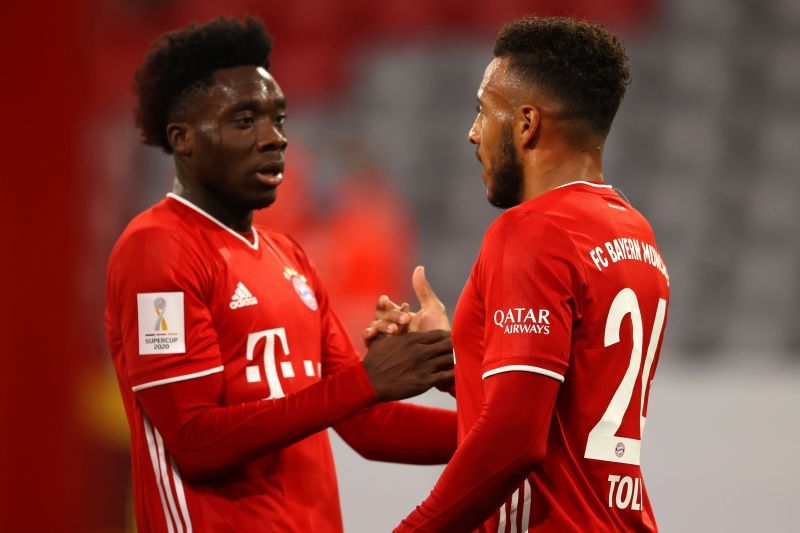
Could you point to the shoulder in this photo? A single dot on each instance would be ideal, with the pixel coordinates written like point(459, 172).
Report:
point(157, 238)
point(525, 225)
point(285, 244)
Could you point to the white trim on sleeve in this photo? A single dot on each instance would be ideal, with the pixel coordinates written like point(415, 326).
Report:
point(524, 368)
point(185, 377)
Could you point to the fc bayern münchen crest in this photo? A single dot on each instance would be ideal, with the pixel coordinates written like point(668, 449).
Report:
point(304, 292)
point(620, 449)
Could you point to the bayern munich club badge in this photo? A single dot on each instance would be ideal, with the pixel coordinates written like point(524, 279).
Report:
point(304, 292)
point(620, 449)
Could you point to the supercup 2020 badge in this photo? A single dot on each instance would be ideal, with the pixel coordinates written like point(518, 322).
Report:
point(301, 288)
point(161, 323)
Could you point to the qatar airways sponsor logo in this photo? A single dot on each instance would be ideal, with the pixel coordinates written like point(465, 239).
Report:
point(525, 320)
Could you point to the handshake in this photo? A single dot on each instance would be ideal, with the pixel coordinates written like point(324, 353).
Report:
point(409, 352)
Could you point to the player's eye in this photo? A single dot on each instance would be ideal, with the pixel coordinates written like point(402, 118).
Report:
point(280, 120)
point(244, 121)
point(478, 109)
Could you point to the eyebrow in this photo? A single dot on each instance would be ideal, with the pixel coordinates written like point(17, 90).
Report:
point(280, 103)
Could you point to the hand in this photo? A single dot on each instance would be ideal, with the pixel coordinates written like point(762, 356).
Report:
point(393, 319)
point(404, 366)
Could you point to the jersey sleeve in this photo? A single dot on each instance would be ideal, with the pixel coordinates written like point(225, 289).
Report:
point(530, 278)
point(158, 286)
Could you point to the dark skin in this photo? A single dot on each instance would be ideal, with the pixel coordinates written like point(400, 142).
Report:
point(228, 142)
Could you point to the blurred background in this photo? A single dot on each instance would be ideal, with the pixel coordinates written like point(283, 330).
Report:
point(380, 177)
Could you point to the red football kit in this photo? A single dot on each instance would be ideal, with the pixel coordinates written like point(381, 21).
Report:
point(231, 364)
point(556, 337)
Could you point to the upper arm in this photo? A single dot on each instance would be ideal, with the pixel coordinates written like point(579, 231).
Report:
point(158, 291)
point(531, 281)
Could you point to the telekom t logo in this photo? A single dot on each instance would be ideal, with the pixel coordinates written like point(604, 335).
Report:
point(272, 367)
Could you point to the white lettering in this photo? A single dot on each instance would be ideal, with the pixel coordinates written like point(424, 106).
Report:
point(270, 366)
point(625, 492)
point(613, 480)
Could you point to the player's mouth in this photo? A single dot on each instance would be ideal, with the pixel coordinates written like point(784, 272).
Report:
point(270, 174)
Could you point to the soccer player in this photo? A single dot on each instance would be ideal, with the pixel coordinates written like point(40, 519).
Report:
point(230, 360)
point(558, 329)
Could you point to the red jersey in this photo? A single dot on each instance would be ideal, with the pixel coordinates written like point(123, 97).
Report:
point(188, 297)
point(569, 285)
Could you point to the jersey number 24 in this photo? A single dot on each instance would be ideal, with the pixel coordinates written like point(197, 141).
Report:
point(603, 443)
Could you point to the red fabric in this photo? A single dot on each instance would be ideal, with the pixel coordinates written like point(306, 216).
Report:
point(208, 439)
point(401, 433)
point(266, 365)
point(551, 289)
point(494, 458)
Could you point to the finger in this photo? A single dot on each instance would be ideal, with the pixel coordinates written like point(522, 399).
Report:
point(385, 303)
point(369, 332)
point(394, 315)
point(405, 307)
point(429, 337)
point(444, 346)
point(427, 298)
point(443, 378)
point(442, 362)
point(385, 327)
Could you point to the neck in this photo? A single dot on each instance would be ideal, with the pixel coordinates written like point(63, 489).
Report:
point(544, 170)
point(236, 218)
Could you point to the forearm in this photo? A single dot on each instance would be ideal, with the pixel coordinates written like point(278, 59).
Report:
point(499, 452)
point(402, 433)
point(207, 439)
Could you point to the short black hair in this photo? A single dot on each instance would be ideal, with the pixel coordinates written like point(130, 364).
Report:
point(182, 61)
point(580, 64)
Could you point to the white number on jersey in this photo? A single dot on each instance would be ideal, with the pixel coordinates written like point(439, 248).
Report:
point(603, 444)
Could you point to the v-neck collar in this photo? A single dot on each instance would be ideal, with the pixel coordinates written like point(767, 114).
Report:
point(190, 205)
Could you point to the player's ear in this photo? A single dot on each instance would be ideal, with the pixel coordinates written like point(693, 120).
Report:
point(180, 137)
point(528, 121)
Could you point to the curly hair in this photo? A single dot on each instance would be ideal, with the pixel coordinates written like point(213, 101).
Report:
point(580, 64)
point(184, 61)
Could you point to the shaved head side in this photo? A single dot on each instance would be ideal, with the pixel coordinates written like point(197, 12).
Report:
point(579, 66)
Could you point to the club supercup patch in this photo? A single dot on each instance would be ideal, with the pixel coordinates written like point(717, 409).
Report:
point(161, 323)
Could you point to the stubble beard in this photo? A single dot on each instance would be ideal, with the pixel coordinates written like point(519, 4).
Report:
point(505, 175)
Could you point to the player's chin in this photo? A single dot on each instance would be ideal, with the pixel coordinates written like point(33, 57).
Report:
point(262, 198)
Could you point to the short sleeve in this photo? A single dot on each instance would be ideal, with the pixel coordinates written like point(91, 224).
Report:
point(157, 290)
point(530, 278)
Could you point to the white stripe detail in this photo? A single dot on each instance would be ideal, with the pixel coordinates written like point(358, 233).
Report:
point(165, 477)
point(286, 369)
point(524, 368)
point(526, 506)
point(151, 445)
point(246, 292)
point(185, 377)
point(589, 183)
point(513, 517)
point(501, 526)
point(309, 367)
point(176, 479)
point(190, 205)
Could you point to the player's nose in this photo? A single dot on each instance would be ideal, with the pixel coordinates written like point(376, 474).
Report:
point(473, 135)
point(271, 137)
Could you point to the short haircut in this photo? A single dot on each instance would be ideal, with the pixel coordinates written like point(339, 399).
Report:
point(579, 64)
point(183, 61)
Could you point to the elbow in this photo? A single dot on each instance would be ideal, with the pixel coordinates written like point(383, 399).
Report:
point(195, 469)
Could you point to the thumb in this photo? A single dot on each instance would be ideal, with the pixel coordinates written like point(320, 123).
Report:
point(423, 290)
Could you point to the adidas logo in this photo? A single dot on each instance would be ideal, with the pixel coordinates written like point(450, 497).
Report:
point(242, 297)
